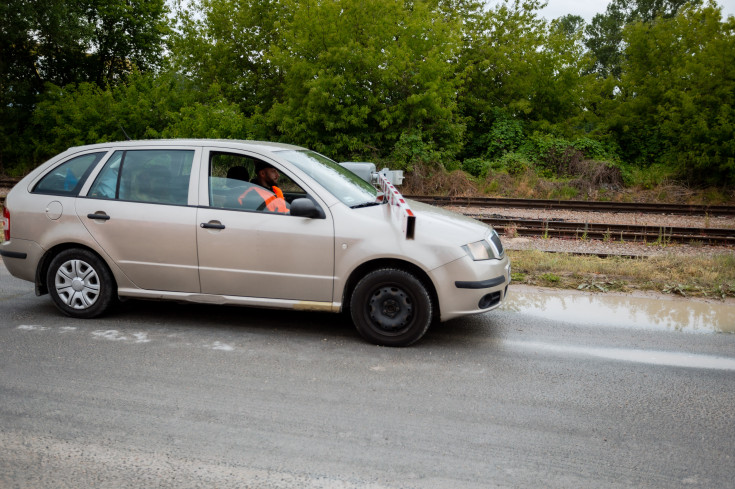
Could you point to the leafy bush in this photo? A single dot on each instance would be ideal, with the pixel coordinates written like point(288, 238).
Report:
point(412, 148)
point(512, 163)
point(477, 167)
point(505, 135)
point(593, 149)
point(453, 165)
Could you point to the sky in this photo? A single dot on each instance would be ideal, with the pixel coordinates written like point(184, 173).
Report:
point(588, 8)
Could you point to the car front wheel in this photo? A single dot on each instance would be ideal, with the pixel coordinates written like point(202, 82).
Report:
point(391, 307)
point(80, 283)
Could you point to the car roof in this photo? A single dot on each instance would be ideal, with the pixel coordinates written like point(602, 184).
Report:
point(261, 146)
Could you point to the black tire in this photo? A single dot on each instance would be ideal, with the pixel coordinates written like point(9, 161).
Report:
point(391, 307)
point(80, 284)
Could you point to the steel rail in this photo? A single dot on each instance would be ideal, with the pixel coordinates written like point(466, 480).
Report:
point(610, 232)
point(579, 205)
point(8, 182)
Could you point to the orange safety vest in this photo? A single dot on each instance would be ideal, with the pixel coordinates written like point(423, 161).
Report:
point(274, 201)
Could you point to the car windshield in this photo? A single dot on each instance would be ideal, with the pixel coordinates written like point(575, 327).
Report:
point(341, 182)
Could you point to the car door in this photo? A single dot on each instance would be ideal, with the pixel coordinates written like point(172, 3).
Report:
point(248, 252)
point(137, 210)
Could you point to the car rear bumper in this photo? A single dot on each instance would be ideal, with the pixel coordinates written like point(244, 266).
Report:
point(21, 258)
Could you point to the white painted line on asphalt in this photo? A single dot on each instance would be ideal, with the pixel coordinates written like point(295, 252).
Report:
point(221, 346)
point(110, 334)
point(115, 335)
point(141, 337)
point(651, 357)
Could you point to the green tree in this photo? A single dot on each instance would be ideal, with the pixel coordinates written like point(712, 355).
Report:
point(676, 103)
point(39, 41)
point(128, 35)
point(604, 34)
point(517, 67)
point(571, 25)
point(145, 106)
point(63, 42)
point(332, 75)
point(227, 42)
point(354, 81)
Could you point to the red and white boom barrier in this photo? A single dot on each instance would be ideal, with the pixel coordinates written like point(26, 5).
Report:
point(402, 213)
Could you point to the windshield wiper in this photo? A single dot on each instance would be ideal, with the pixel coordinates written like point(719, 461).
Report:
point(365, 204)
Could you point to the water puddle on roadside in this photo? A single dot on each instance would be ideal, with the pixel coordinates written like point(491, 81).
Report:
point(687, 315)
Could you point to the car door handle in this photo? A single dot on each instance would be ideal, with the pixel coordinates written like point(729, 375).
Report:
point(101, 216)
point(212, 225)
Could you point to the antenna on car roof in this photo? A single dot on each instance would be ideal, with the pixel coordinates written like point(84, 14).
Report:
point(123, 130)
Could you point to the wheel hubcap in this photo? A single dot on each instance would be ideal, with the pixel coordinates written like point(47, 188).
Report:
point(77, 284)
point(391, 310)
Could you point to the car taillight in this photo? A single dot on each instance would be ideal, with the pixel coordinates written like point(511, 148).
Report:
point(6, 223)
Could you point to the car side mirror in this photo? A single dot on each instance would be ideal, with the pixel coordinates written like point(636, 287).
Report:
point(304, 207)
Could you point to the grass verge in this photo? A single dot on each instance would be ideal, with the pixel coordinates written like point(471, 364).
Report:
point(697, 276)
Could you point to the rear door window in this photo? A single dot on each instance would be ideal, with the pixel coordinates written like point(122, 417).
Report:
point(69, 177)
point(155, 176)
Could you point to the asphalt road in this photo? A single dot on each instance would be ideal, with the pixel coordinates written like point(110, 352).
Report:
point(171, 395)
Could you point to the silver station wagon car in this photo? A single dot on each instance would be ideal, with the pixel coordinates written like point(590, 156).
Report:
point(184, 220)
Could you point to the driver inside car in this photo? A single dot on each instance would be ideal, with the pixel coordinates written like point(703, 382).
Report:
point(266, 188)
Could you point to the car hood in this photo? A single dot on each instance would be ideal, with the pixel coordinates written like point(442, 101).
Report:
point(433, 222)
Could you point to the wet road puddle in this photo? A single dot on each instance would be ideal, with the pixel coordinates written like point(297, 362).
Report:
point(624, 311)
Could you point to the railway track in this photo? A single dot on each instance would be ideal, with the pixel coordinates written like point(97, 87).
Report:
point(609, 232)
point(8, 182)
point(579, 205)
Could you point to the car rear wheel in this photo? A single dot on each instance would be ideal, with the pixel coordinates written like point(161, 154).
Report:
point(391, 307)
point(80, 283)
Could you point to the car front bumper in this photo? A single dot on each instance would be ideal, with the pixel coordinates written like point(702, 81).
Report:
point(466, 286)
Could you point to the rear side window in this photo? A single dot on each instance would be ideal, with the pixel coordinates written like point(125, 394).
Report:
point(155, 176)
point(69, 177)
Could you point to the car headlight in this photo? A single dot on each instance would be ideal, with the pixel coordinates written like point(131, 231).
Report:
point(489, 248)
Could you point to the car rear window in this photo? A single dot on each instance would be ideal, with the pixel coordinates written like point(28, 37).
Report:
point(69, 177)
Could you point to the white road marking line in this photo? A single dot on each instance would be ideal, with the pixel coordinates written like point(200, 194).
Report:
point(651, 357)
